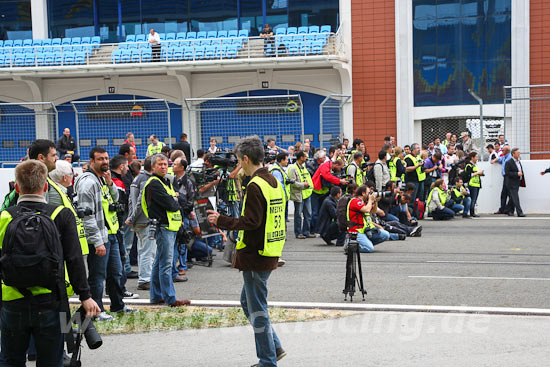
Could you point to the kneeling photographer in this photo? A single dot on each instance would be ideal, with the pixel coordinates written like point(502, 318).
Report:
point(438, 202)
point(461, 198)
point(360, 208)
point(328, 219)
point(33, 302)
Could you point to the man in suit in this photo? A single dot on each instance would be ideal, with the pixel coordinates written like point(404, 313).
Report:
point(513, 179)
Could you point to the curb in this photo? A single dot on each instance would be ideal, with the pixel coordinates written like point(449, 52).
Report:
point(506, 311)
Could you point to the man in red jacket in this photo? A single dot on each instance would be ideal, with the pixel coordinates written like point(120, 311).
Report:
point(323, 180)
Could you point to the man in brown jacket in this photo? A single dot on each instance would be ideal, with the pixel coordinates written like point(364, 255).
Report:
point(261, 239)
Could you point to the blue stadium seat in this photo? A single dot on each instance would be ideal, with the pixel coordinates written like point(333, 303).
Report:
point(232, 51)
point(293, 48)
point(201, 35)
point(233, 33)
point(56, 42)
point(227, 41)
point(140, 38)
point(325, 29)
point(146, 55)
point(96, 41)
point(170, 36)
point(49, 58)
point(18, 59)
point(40, 59)
point(68, 58)
point(314, 29)
point(29, 59)
point(303, 30)
point(162, 36)
point(280, 31)
point(177, 55)
point(144, 45)
point(191, 35)
point(305, 48)
point(237, 42)
point(209, 52)
point(80, 58)
point(3, 61)
point(123, 46)
point(199, 52)
point(292, 30)
point(221, 51)
point(135, 56)
point(115, 56)
point(188, 53)
point(243, 33)
point(17, 43)
point(125, 55)
point(66, 41)
point(8, 43)
point(37, 43)
point(27, 42)
point(75, 41)
point(1, 43)
point(131, 38)
point(205, 42)
point(47, 42)
point(212, 34)
point(180, 36)
point(86, 41)
point(58, 58)
point(317, 47)
point(166, 54)
point(222, 34)
point(2, 50)
point(133, 45)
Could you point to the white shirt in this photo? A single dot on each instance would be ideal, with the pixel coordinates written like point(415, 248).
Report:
point(197, 164)
point(154, 37)
point(213, 150)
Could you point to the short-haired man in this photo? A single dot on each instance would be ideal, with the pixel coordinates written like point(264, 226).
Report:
point(155, 147)
point(199, 162)
point(97, 194)
point(354, 171)
point(381, 171)
point(67, 145)
point(415, 172)
point(514, 179)
point(321, 181)
point(461, 196)
point(159, 202)
point(300, 194)
point(184, 146)
point(41, 320)
point(154, 40)
point(128, 151)
point(505, 203)
point(130, 139)
point(140, 225)
point(260, 245)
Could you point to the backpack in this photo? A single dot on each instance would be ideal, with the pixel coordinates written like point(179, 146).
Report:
point(419, 209)
point(342, 213)
point(11, 197)
point(32, 254)
point(370, 174)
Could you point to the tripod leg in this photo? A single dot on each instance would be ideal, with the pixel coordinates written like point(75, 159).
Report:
point(360, 278)
point(349, 286)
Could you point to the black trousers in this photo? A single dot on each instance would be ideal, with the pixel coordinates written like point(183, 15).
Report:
point(155, 52)
point(333, 232)
point(514, 201)
point(504, 202)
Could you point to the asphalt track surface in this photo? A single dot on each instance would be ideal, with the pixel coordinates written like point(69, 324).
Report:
point(492, 261)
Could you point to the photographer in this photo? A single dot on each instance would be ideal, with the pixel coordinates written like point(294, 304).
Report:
point(209, 190)
point(415, 172)
point(433, 169)
point(36, 311)
point(461, 197)
point(97, 194)
point(328, 219)
point(396, 165)
point(354, 171)
point(437, 198)
point(160, 204)
point(300, 194)
point(381, 171)
point(323, 180)
point(473, 176)
point(359, 146)
point(278, 171)
point(359, 211)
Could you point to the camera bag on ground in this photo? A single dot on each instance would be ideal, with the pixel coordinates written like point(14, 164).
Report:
point(32, 254)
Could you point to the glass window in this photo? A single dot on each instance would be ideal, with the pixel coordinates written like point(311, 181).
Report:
point(69, 18)
point(165, 16)
point(448, 9)
point(424, 33)
point(424, 9)
point(15, 19)
point(213, 15)
point(277, 13)
point(303, 13)
point(251, 16)
point(131, 19)
point(107, 15)
point(448, 38)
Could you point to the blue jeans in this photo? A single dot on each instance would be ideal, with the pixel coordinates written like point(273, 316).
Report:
point(302, 226)
point(474, 193)
point(19, 323)
point(162, 286)
point(199, 250)
point(378, 236)
point(254, 304)
point(180, 253)
point(457, 208)
point(127, 242)
point(146, 253)
point(443, 214)
point(316, 202)
point(215, 241)
point(106, 269)
point(390, 217)
point(466, 202)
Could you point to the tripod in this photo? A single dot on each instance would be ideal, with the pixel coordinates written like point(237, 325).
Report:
point(354, 273)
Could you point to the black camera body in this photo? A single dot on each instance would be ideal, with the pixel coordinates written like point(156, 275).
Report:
point(116, 207)
point(81, 213)
point(87, 328)
point(153, 228)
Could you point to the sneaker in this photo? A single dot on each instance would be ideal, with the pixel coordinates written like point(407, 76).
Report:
point(31, 357)
point(301, 237)
point(132, 275)
point(125, 309)
point(182, 272)
point(179, 279)
point(144, 286)
point(103, 316)
point(281, 262)
point(416, 232)
point(128, 294)
point(311, 235)
point(280, 353)
point(181, 302)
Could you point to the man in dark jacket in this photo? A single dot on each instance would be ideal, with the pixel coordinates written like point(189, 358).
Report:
point(184, 146)
point(513, 179)
point(327, 226)
point(66, 144)
point(251, 248)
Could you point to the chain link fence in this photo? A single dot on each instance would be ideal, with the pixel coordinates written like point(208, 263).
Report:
point(331, 124)
point(529, 110)
point(22, 123)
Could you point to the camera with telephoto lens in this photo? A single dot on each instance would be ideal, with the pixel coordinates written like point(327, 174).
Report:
point(87, 328)
point(224, 160)
point(366, 165)
point(381, 194)
point(153, 228)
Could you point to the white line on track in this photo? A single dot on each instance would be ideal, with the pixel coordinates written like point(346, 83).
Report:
point(485, 262)
point(476, 278)
point(510, 218)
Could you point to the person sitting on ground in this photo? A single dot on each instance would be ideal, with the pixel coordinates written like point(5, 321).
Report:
point(461, 196)
point(437, 199)
point(328, 219)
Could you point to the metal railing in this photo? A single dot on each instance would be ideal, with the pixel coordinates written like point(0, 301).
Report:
point(240, 48)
